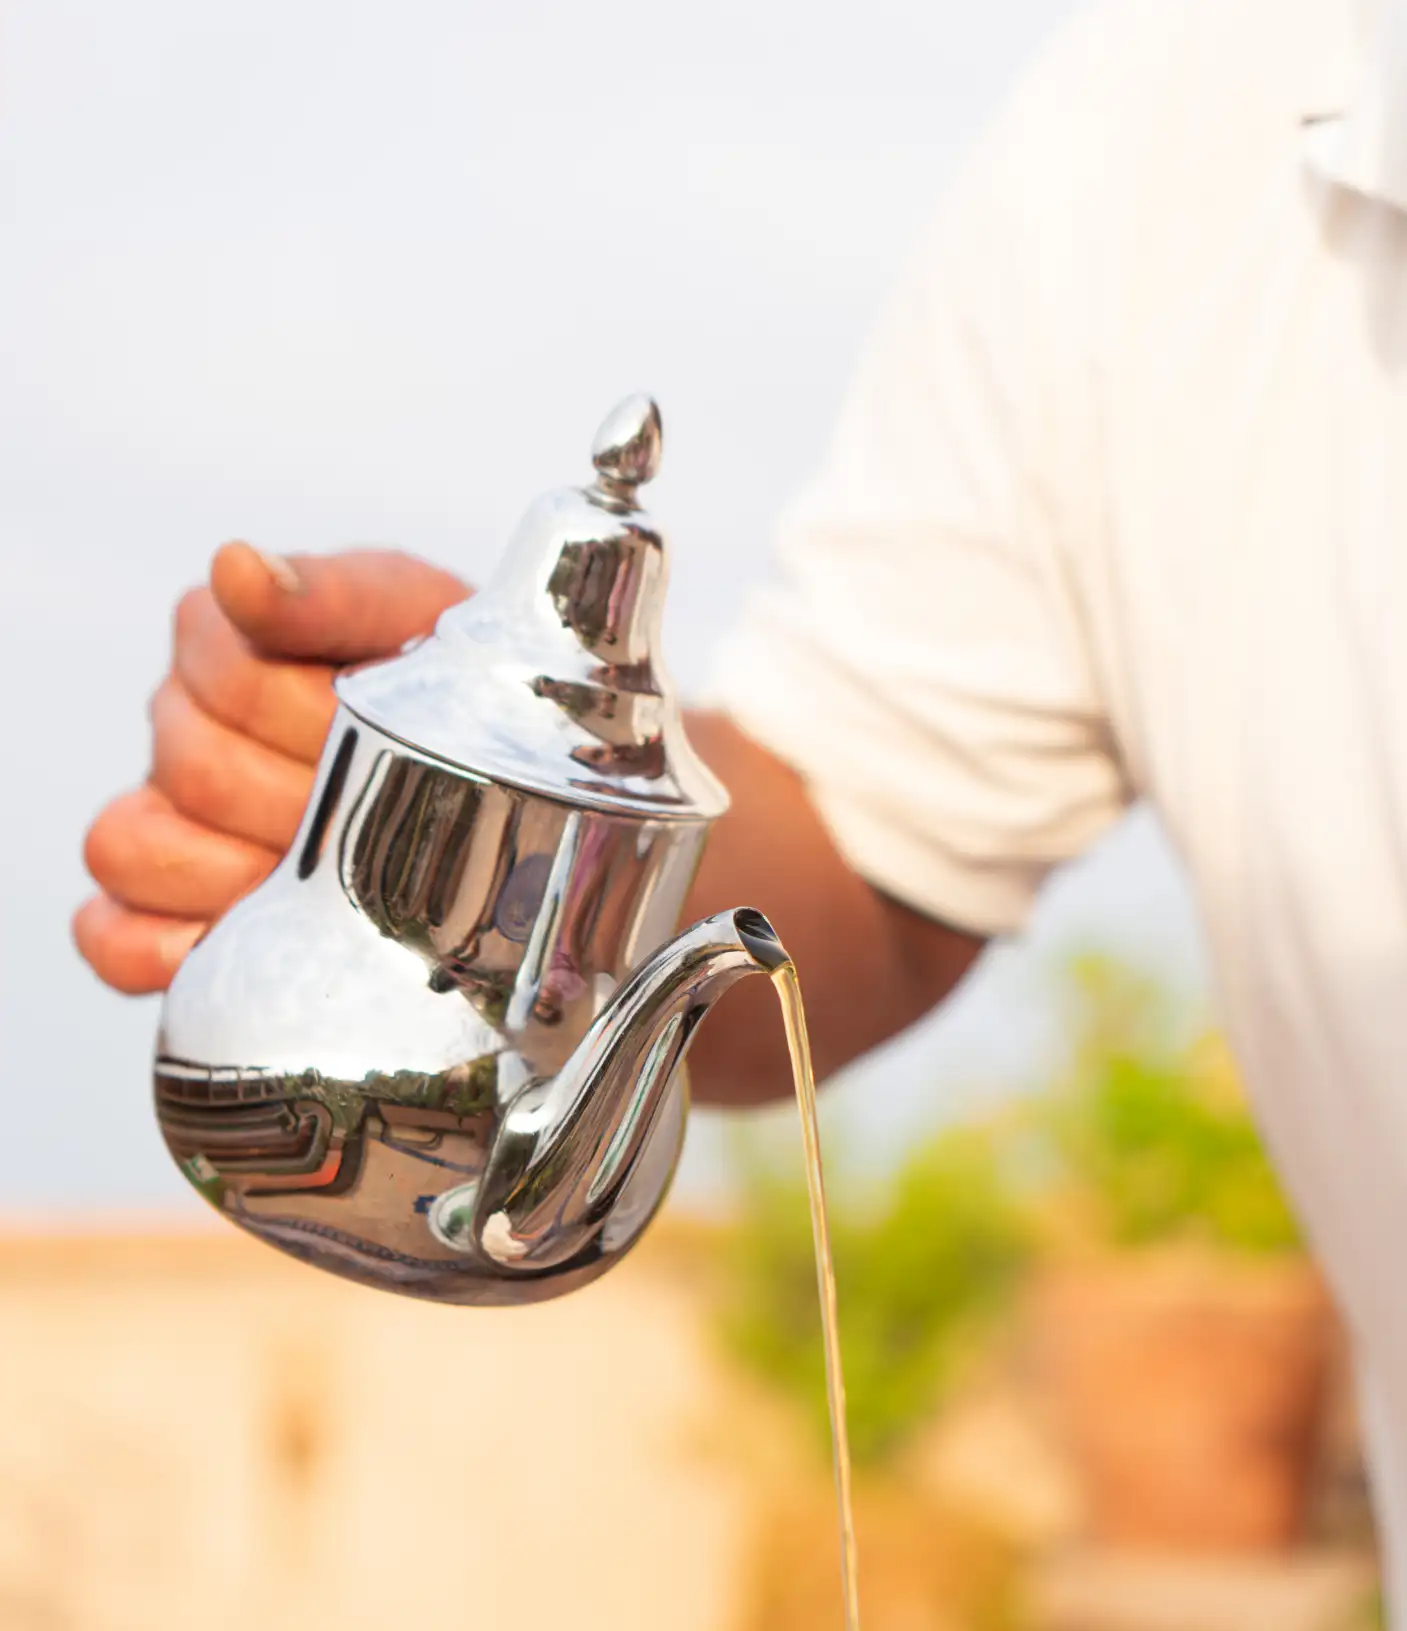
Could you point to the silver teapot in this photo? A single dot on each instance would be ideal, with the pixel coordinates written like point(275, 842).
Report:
point(440, 1050)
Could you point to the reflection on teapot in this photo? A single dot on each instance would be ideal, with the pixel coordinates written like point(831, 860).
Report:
point(440, 1049)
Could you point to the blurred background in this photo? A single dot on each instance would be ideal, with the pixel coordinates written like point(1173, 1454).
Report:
point(321, 275)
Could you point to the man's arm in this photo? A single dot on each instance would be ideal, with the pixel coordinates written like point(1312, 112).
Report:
point(869, 966)
point(237, 728)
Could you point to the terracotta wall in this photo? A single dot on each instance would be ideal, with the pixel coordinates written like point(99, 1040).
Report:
point(199, 1435)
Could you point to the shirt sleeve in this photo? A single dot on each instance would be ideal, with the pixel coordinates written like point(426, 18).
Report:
point(922, 658)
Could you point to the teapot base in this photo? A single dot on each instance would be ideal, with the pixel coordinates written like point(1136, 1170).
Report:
point(368, 1188)
point(464, 1283)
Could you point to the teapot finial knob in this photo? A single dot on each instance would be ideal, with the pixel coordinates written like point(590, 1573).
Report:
point(626, 451)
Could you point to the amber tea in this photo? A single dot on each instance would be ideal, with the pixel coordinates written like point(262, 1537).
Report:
point(803, 1078)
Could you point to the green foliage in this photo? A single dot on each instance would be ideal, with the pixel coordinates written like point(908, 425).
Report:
point(1154, 1143)
point(919, 1273)
point(1143, 1141)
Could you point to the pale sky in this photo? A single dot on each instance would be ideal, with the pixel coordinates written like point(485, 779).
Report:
point(317, 274)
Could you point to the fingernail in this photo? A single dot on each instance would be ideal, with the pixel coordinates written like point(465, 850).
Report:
point(175, 943)
point(281, 571)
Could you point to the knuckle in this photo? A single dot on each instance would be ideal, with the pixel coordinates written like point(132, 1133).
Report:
point(237, 691)
point(186, 765)
point(81, 928)
point(163, 707)
point(192, 612)
point(118, 967)
point(219, 670)
point(106, 846)
point(122, 950)
point(193, 778)
point(95, 945)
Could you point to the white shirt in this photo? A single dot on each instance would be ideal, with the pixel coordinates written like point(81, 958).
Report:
point(1118, 508)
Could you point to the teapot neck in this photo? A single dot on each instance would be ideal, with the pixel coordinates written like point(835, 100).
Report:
point(569, 1145)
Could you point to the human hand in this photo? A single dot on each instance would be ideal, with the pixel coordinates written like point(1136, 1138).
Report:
point(237, 728)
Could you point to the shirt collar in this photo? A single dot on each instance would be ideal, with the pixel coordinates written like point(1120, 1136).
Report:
point(1355, 130)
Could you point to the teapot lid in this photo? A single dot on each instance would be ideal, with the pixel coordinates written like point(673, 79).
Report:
point(550, 679)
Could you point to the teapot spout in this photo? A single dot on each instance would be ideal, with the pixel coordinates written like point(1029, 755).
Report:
point(568, 1145)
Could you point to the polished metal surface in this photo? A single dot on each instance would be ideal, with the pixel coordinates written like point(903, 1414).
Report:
point(439, 1050)
point(550, 677)
point(566, 1150)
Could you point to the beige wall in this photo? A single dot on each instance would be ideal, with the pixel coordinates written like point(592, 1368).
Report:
point(199, 1434)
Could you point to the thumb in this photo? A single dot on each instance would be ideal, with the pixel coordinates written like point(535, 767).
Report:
point(330, 608)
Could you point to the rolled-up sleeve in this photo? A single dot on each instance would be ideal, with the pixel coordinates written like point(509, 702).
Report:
point(921, 656)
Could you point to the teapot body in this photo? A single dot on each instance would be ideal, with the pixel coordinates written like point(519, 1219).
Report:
point(337, 1056)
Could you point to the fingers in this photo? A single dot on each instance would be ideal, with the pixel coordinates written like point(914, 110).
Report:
point(150, 858)
point(331, 608)
point(223, 780)
point(245, 647)
point(287, 706)
point(133, 952)
point(237, 728)
point(163, 880)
